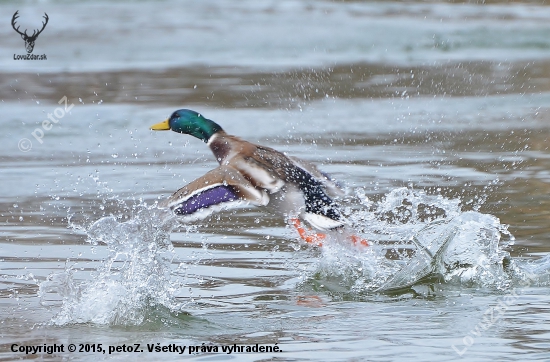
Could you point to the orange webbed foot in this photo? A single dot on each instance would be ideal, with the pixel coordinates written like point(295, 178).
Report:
point(356, 240)
point(311, 237)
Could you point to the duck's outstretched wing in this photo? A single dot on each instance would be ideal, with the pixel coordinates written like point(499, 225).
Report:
point(221, 188)
point(277, 162)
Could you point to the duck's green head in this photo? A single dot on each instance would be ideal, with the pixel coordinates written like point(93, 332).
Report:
point(189, 122)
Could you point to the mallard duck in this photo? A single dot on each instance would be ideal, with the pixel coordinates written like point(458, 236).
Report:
point(254, 174)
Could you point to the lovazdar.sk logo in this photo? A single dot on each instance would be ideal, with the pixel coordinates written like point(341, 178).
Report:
point(29, 39)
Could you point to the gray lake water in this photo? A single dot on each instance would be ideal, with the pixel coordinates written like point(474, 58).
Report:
point(425, 111)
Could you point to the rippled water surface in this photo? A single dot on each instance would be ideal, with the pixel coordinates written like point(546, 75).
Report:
point(434, 116)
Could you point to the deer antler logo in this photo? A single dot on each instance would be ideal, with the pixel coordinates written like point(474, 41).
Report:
point(29, 40)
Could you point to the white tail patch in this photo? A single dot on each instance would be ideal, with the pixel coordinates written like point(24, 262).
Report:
point(322, 222)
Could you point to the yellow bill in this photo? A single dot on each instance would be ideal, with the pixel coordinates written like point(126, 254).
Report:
point(162, 126)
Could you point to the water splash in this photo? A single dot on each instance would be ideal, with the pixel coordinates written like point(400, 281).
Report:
point(416, 235)
point(413, 236)
point(134, 281)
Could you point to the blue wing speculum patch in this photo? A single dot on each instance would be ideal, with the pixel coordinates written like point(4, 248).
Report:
point(203, 200)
